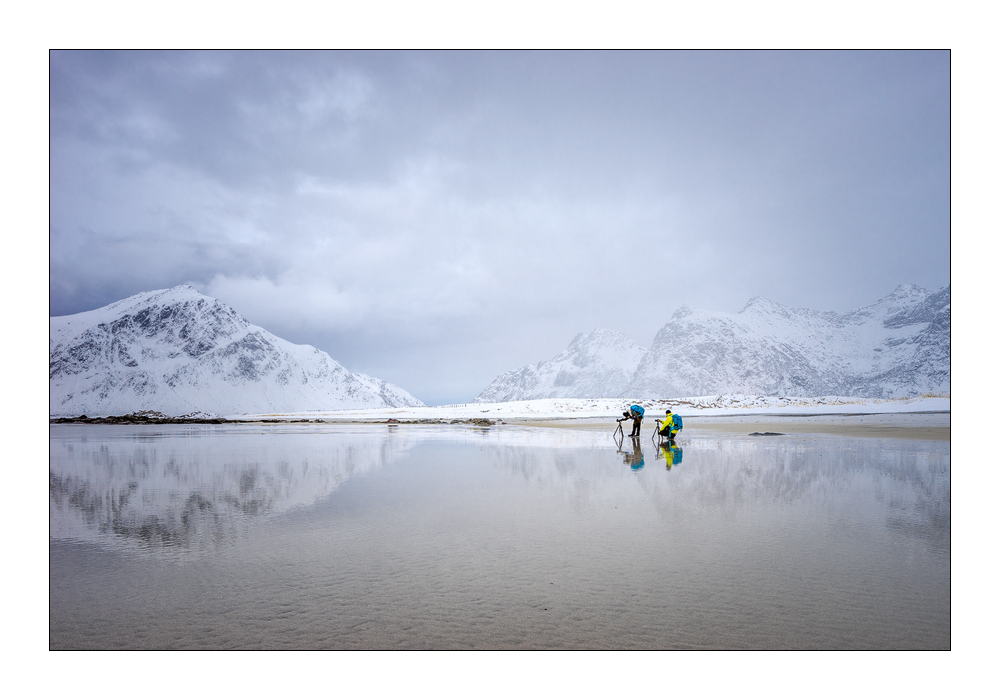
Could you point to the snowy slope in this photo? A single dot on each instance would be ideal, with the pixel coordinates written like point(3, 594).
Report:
point(609, 409)
point(594, 365)
point(898, 346)
point(177, 351)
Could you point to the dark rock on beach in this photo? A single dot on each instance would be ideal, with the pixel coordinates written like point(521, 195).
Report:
point(142, 418)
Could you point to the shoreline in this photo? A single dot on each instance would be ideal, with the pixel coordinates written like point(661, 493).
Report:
point(908, 426)
point(922, 425)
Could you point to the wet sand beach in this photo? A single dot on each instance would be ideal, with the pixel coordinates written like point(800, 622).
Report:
point(905, 426)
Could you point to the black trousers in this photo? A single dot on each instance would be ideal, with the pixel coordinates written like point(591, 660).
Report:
point(636, 426)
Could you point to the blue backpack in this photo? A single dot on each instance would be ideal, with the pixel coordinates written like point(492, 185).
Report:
point(678, 423)
point(638, 409)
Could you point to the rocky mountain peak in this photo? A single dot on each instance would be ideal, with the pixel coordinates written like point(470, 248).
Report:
point(178, 352)
point(899, 346)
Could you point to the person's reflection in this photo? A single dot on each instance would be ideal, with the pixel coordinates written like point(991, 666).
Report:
point(634, 458)
point(669, 451)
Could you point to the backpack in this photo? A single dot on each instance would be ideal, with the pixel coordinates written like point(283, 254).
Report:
point(678, 423)
point(638, 409)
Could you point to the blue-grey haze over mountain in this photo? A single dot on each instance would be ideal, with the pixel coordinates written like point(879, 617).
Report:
point(436, 219)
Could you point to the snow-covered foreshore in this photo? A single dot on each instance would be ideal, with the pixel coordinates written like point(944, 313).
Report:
point(541, 409)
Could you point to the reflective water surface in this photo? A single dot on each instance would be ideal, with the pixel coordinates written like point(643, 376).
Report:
point(389, 537)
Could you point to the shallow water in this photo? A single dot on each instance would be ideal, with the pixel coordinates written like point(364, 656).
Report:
point(445, 537)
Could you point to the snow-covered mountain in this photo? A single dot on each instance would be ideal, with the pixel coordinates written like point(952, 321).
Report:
point(898, 346)
point(178, 352)
point(598, 364)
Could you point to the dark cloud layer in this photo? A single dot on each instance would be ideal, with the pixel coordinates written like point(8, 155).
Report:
point(438, 218)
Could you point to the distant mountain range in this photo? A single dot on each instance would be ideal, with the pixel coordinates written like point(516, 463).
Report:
point(899, 346)
point(599, 364)
point(179, 352)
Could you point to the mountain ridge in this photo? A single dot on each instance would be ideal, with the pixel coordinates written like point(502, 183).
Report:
point(177, 351)
point(896, 347)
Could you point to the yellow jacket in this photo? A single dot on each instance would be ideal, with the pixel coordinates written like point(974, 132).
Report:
point(667, 423)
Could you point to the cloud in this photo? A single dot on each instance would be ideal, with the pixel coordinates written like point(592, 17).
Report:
point(438, 218)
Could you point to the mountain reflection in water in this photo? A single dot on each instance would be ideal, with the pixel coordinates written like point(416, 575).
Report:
point(193, 487)
point(189, 489)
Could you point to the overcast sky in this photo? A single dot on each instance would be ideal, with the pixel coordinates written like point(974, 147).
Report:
point(435, 219)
